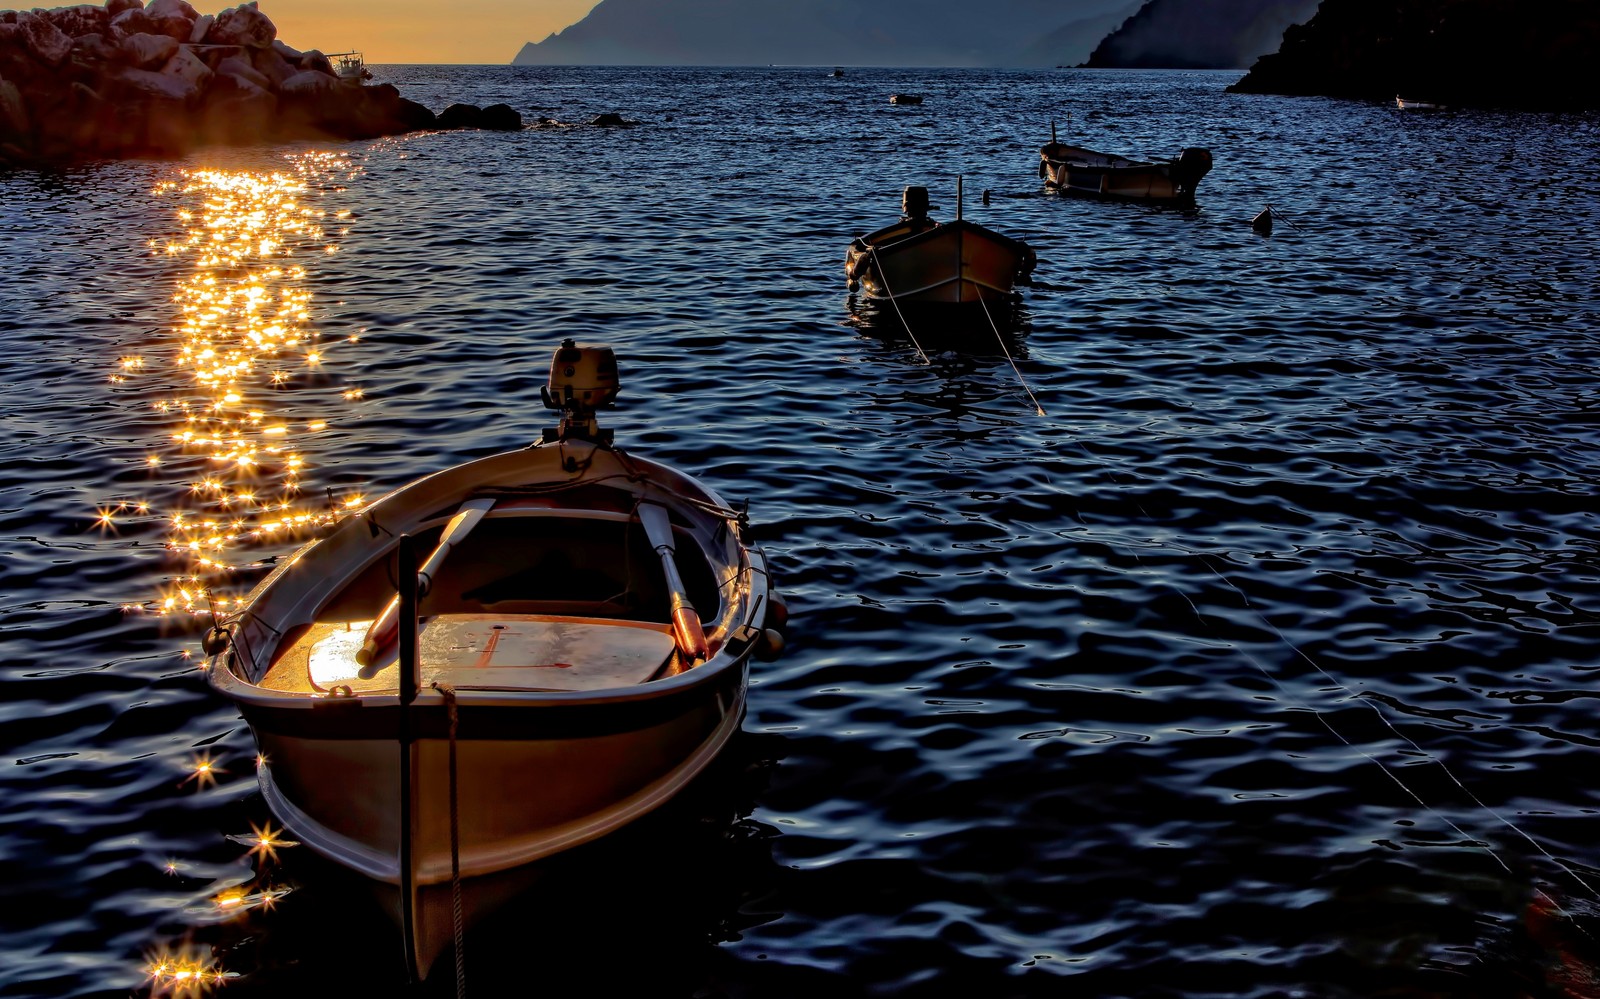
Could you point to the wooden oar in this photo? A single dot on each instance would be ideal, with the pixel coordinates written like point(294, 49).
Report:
point(686, 628)
point(387, 624)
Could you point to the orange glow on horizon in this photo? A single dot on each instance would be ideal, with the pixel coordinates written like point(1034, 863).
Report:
point(469, 32)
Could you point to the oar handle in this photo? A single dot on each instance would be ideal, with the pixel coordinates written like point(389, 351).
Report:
point(686, 629)
point(387, 624)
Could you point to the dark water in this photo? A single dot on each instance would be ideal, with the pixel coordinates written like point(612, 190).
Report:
point(1262, 664)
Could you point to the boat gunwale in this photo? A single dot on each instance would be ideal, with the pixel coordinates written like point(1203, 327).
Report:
point(681, 493)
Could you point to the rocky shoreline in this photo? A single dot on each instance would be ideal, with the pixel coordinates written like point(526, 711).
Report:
point(134, 79)
point(1460, 53)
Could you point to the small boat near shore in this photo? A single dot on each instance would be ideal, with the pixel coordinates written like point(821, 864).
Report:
point(918, 261)
point(350, 67)
point(498, 662)
point(1415, 104)
point(905, 98)
point(1077, 170)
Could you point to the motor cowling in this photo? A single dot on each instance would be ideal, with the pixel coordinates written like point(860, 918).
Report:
point(582, 379)
point(914, 203)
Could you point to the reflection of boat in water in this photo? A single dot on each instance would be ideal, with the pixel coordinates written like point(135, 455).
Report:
point(350, 66)
point(1077, 170)
point(918, 261)
point(574, 650)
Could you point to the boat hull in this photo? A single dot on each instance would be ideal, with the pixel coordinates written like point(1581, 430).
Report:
point(1080, 171)
point(502, 760)
point(951, 264)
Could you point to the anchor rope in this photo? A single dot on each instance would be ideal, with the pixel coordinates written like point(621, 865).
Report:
point(894, 302)
point(1383, 767)
point(1001, 340)
point(457, 912)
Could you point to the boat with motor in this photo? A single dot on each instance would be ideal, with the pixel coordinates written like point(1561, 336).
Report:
point(498, 662)
point(1416, 104)
point(919, 261)
point(1076, 170)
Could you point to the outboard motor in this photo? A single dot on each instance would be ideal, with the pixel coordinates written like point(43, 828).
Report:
point(914, 203)
point(583, 380)
point(1192, 164)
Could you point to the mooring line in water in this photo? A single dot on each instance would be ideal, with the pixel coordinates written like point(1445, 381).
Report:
point(1387, 770)
point(1001, 340)
point(894, 302)
point(1431, 757)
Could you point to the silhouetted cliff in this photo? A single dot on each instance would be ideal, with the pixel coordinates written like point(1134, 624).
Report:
point(1461, 52)
point(827, 32)
point(1200, 34)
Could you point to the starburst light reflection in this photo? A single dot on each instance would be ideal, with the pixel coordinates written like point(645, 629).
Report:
point(252, 393)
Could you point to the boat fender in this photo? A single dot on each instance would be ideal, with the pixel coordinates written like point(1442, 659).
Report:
point(777, 610)
point(770, 646)
point(216, 641)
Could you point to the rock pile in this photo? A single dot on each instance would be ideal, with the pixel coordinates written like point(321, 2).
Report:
point(137, 79)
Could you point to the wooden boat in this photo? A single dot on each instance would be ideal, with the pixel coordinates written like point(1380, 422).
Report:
point(1413, 104)
point(919, 261)
point(1077, 170)
point(572, 652)
point(350, 66)
point(905, 98)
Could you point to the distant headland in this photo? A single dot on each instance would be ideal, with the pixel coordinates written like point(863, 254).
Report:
point(1480, 53)
point(136, 79)
point(1198, 34)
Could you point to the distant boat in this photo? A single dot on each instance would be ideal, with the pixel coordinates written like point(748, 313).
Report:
point(350, 66)
point(905, 98)
point(1077, 170)
point(918, 261)
point(1412, 104)
point(837, 72)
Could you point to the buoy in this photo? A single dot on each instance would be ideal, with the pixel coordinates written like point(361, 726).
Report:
point(1263, 223)
point(216, 641)
point(771, 646)
point(777, 610)
point(986, 195)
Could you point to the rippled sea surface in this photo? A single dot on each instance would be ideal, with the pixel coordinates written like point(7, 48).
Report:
point(1261, 663)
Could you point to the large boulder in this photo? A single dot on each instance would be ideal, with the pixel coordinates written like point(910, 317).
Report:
point(162, 86)
point(202, 27)
point(115, 7)
point(501, 118)
point(189, 68)
point(243, 25)
point(84, 19)
point(44, 41)
point(171, 8)
point(146, 51)
point(133, 21)
point(461, 116)
point(239, 68)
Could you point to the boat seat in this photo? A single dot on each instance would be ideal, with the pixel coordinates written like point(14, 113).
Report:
point(485, 651)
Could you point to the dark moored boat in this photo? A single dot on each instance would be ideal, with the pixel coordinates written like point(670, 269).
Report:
point(1077, 170)
point(920, 261)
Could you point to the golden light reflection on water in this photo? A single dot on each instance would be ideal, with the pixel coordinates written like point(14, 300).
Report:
point(242, 392)
point(233, 458)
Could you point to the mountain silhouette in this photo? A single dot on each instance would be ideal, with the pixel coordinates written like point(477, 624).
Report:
point(1200, 34)
point(829, 32)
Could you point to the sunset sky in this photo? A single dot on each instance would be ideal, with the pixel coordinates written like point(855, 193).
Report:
point(428, 31)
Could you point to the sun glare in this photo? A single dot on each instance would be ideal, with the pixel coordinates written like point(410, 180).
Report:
point(243, 333)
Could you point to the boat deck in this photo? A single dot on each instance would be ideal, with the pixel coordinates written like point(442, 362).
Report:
point(483, 652)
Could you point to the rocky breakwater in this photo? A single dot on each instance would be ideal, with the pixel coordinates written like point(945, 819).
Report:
point(156, 79)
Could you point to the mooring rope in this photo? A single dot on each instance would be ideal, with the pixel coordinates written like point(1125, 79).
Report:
point(457, 913)
point(892, 301)
point(1001, 340)
point(1385, 768)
